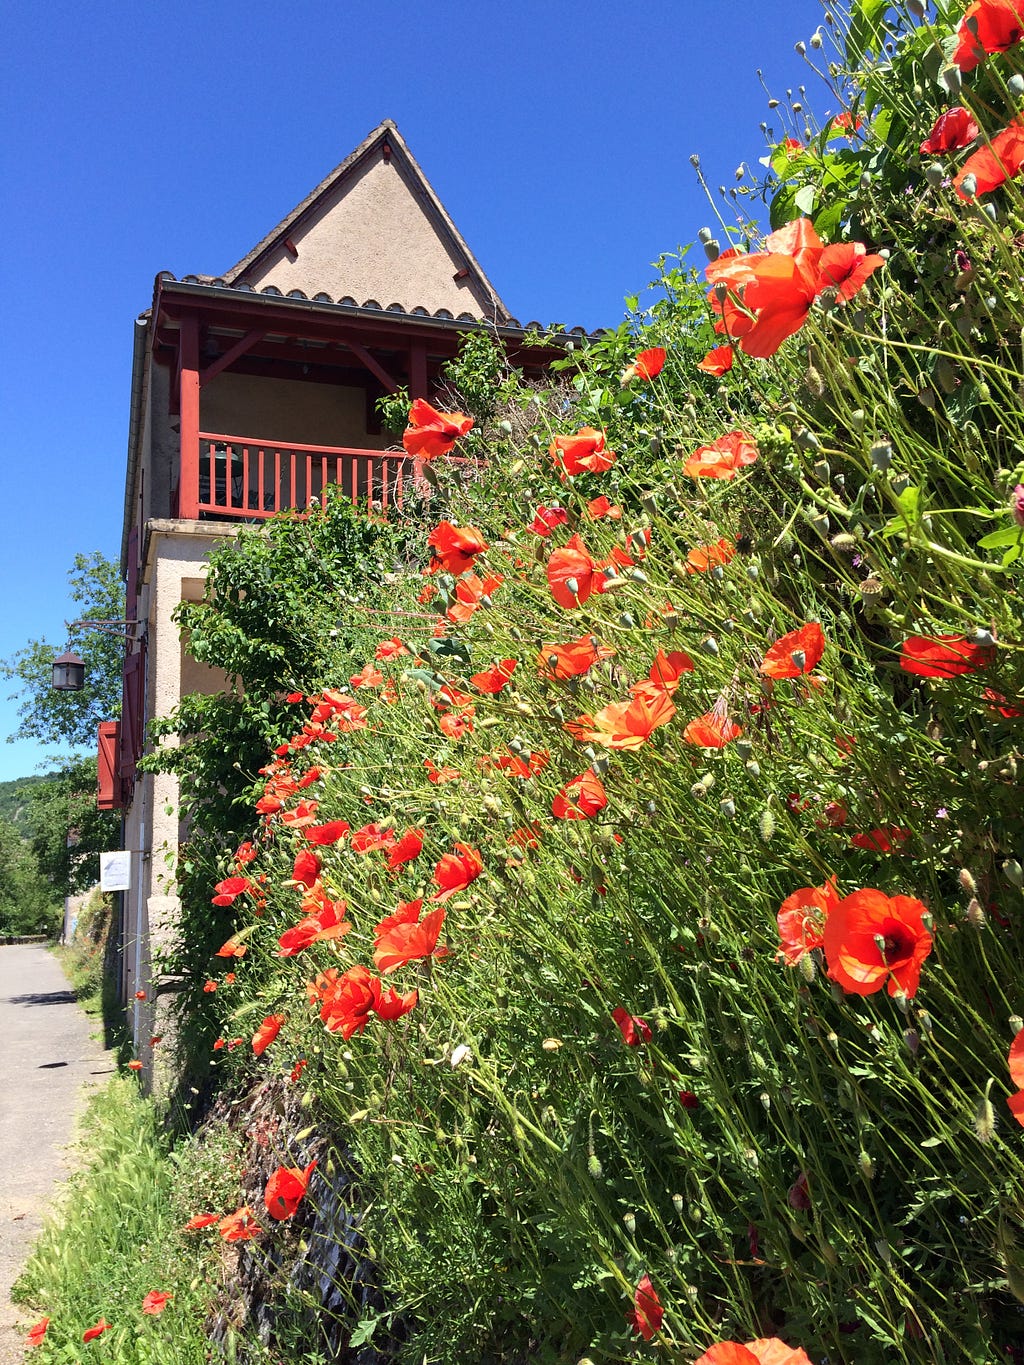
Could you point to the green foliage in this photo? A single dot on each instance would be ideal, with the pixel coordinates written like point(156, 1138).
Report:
point(68, 831)
point(27, 903)
point(69, 719)
point(14, 801)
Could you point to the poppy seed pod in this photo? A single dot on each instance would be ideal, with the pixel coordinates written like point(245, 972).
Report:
point(1013, 873)
point(934, 174)
point(969, 185)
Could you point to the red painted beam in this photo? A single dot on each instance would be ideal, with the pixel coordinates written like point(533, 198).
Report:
point(188, 485)
point(373, 365)
point(240, 347)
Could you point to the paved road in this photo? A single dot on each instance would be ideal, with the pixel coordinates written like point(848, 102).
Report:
point(50, 1060)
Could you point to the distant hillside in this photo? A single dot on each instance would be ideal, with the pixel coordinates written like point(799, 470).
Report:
point(14, 801)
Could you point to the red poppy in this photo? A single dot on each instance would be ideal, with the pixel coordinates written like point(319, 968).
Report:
point(664, 673)
point(390, 1005)
point(713, 730)
point(845, 267)
point(546, 519)
point(240, 1226)
point(439, 776)
point(230, 888)
point(887, 840)
point(455, 871)
point(406, 850)
point(993, 165)
point(874, 940)
point(37, 1332)
point(951, 131)
point(722, 459)
point(457, 724)
point(717, 361)
point(573, 575)
point(390, 649)
point(431, 433)
point(266, 1033)
point(988, 26)
point(298, 1069)
point(306, 868)
point(764, 1351)
point(348, 1000)
point(368, 676)
point(494, 679)
point(1015, 1062)
point(93, 1332)
point(580, 799)
point(647, 1314)
point(796, 653)
point(303, 814)
point(371, 838)
point(455, 547)
point(246, 852)
point(469, 593)
point(135, 1065)
point(155, 1302)
point(599, 508)
point(634, 1031)
point(801, 921)
point(647, 365)
point(583, 453)
point(524, 765)
point(285, 1190)
point(630, 724)
point(997, 702)
point(328, 923)
point(845, 123)
point(943, 656)
point(404, 937)
point(573, 659)
point(209, 987)
point(688, 1099)
point(201, 1220)
point(232, 948)
point(704, 557)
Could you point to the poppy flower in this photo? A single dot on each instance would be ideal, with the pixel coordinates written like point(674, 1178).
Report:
point(689, 1100)
point(457, 724)
point(304, 814)
point(229, 889)
point(455, 871)
point(390, 649)
point(246, 852)
point(573, 659)
point(439, 776)
point(629, 724)
point(845, 123)
point(404, 937)
point(285, 1190)
point(37, 1332)
point(951, 131)
point(135, 1065)
point(713, 730)
point(209, 987)
point(647, 1314)
point(232, 948)
point(873, 940)
point(988, 26)
point(492, 680)
point(390, 1004)
point(266, 1033)
point(887, 840)
point(155, 1302)
point(997, 702)
point(796, 653)
point(704, 557)
point(201, 1220)
point(664, 674)
point(328, 923)
point(573, 575)
point(372, 837)
point(298, 1069)
point(469, 593)
point(844, 267)
point(431, 433)
point(943, 656)
point(764, 1351)
point(306, 868)
point(93, 1332)
point(993, 165)
point(599, 508)
point(240, 1226)
point(583, 453)
point(801, 921)
point(347, 1001)
point(1015, 1062)
point(368, 676)
point(546, 519)
point(647, 365)
point(455, 548)
point(634, 1031)
point(518, 765)
point(406, 850)
point(580, 799)
point(722, 459)
point(717, 362)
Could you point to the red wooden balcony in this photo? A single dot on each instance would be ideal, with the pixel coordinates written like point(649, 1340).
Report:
point(241, 478)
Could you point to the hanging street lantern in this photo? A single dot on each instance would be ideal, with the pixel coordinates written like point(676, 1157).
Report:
point(69, 673)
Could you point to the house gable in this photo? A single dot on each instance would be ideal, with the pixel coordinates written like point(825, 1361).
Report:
point(374, 232)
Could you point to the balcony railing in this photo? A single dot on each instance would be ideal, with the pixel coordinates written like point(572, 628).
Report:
point(241, 478)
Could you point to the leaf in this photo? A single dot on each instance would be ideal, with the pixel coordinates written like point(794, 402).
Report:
point(995, 540)
point(449, 649)
point(804, 198)
point(911, 507)
point(364, 1330)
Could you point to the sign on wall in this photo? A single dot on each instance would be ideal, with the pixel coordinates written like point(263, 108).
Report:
point(116, 870)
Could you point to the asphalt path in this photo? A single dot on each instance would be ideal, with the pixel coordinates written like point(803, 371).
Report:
point(50, 1061)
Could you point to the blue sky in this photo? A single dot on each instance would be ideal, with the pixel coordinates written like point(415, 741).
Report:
point(155, 135)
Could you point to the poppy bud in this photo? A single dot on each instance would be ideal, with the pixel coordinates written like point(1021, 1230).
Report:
point(573, 585)
point(1016, 1024)
point(1012, 872)
point(766, 825)
point(712, 249)
point(629, 1221)
point(677, 1204)
point(816, 39)
point(728, 807)
point(594, 1168)
point(867, 1166)
point(710, 645)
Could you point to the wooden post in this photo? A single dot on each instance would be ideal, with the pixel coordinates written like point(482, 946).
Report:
point(418, 369)
point(188, 479)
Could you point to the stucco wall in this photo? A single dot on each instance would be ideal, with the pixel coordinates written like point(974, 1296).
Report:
point(286, 410)
point(373, 239)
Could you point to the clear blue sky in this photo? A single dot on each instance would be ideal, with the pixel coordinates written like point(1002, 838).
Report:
point(155, 135)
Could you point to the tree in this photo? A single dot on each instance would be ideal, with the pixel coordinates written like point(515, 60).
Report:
point(28, 905)
point(68, 830)
point(69, 719)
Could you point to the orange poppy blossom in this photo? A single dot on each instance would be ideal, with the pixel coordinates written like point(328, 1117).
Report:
point(573, 659)
point(348, 1001)
point(326, 924)
point(988, 26)
point(580, 799)
point(1015, 1061)
point(763, 1351)
point(230, 889)
point(583, 453)
point(36, 1332)
point(457, 724)
point(368, 676)
point(664, 674)
point(647, 1313)
point(572, 574)
point(717, 362)
point(330, 833)
point(201, 1220)
point(155, 1302)
point(630, 724)
point(91, 1333)
point(240, 1226)
point(431, 433)
point(135, 1065)
point(647, 366)
point(266, 1033)
point(492, 680)
point(713, 730)
point(952, 130)
point(232, 948)
point(524, 765)
point(634, 1030)
point(704, 557)
point(801, 921)
point(598, 508)
point(872, 941)
point(944, 656)
point(722, 459)
point(993, 165)
point(795, 653)
point(285, 1190)
point(455, 871)
point(390, 649)
point(404, 937)
point(455, 548)
point(303, 814)
point(439, 776)
point(469, 594)
point(546, 519)
point(406, 850)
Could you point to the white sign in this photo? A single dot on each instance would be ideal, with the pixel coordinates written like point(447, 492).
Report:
point(116, 870)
